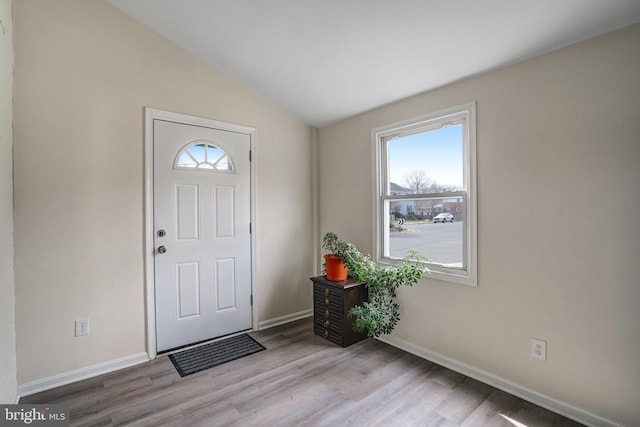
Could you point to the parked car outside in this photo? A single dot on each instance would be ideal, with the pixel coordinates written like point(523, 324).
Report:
point(443, 217)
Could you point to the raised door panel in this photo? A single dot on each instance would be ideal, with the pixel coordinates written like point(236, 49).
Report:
point(187, 211)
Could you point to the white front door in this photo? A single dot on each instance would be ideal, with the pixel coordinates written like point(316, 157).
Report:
point(202, 257)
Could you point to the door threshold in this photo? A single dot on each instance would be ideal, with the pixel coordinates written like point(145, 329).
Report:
point(201, 343)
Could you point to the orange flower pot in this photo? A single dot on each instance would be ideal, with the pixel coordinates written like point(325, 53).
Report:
point(336, 270)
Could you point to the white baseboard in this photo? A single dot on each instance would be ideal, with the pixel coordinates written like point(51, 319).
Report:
point(503, 384)
point(266, 324)
point(64, 378)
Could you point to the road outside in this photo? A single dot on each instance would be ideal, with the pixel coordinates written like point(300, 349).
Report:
point(441, 243)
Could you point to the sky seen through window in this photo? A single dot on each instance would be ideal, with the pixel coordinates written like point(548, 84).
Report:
point(438, 153)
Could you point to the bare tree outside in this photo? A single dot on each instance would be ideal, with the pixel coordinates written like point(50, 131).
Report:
point(418, 181)
point(421, 183)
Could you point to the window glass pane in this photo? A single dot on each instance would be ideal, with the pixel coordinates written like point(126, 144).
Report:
point(431, 226)
point(213, 153)
point(185, 161)
point(426, 162)
point(204, 156)
point(197, 151)
point(223, 164)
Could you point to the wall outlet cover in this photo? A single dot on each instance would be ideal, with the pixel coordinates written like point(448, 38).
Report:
point(538, 349)
point(82, 327)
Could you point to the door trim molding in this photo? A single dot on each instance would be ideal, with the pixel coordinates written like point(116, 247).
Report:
point(151, 114)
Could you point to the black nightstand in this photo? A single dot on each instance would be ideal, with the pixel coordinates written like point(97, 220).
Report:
point(331, 303)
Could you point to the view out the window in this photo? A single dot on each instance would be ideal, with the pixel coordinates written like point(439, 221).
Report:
point(203, 156)
point(426, 200)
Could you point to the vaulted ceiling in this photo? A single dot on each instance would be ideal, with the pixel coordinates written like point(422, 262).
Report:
point(326, 60)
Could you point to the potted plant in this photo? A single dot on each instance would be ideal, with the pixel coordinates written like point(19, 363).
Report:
point(337, 249)
point(381, 314)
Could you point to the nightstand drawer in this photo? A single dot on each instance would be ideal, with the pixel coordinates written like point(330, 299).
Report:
point(327, 334)
point(322, 314)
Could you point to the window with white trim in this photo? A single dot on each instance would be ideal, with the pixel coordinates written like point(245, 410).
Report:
point(205, 156)
point(425, 171)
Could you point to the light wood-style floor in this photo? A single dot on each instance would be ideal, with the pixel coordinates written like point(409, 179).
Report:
point(300, 380)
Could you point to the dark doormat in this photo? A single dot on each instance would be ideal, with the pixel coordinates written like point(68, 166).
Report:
point(207, 356)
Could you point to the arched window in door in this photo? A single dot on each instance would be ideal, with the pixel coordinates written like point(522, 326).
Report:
point(204, 156)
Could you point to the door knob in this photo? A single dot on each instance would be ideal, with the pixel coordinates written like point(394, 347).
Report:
point(162, 249)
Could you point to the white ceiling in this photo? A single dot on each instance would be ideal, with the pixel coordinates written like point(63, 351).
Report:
point(326, 60)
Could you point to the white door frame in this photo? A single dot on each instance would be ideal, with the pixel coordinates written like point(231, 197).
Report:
point(151, 114)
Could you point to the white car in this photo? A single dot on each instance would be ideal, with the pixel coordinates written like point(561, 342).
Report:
point(443, 217)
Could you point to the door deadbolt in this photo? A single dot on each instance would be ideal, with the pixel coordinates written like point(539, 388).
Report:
point(162, 233)
point(162, 250)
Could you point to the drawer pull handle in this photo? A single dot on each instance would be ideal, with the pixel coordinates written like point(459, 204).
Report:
point(326, 301)
point(326, 292)
point(326, 323)
point(326, 334)
point(326, 313)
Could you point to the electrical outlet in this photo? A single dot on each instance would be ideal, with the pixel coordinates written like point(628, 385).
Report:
point(82, 327)
point(538, 349)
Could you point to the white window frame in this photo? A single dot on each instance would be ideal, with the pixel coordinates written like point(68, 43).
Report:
point(197, 167)
point(465, 114)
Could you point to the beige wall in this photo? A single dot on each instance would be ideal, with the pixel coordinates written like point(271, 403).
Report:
point(557, 149)
point(558, 141)
point(7, 291)
point(84, 72)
